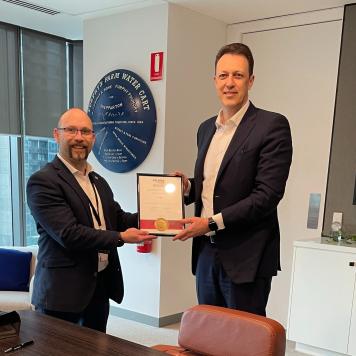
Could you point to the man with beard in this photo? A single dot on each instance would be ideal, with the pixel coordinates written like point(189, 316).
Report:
point(80, 227)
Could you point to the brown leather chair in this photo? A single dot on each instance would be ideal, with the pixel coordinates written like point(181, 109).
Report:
point(217, 331)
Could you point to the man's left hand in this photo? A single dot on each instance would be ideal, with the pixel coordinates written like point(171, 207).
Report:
point(197, 227)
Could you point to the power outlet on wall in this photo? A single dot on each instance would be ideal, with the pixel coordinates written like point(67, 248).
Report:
point(337, 217)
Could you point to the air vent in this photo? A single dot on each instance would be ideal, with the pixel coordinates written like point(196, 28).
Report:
point(33, 7)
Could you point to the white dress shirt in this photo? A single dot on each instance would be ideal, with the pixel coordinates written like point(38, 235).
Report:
point(94, 197)
point(216, 152)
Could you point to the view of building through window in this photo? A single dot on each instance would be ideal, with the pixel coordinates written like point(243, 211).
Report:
point(37, 152)
point(5, 192)
point(51, 70)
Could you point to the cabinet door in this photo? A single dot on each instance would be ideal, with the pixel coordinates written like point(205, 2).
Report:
point(321, 299)
point(352, 337)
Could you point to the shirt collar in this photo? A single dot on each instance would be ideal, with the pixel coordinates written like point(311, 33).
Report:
point(74, 170)
point(235, 119)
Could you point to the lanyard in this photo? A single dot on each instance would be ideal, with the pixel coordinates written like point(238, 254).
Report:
point(95, 211)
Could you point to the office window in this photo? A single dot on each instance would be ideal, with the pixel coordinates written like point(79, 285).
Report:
point(5, 192)
point(76, 72)
point(50, 82)
point(45, 85)
point(9, 79)
point(37, 152)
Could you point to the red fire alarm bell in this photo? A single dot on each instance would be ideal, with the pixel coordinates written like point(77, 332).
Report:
point(144, 247)
point(157, 66)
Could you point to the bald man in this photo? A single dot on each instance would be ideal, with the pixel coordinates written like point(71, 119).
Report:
point(80, 227)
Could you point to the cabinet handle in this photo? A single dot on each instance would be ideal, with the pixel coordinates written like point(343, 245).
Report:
point(352, 264)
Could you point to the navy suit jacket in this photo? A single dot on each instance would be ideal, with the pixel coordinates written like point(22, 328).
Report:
point(249, 185)
point(66, 271)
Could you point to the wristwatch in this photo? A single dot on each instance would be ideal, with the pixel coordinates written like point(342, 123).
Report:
point(213, 226)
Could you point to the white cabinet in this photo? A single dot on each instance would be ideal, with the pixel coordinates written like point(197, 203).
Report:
point(352, 338)
point(322, 308)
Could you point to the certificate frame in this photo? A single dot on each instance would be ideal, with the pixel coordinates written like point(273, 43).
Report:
point(160, 203)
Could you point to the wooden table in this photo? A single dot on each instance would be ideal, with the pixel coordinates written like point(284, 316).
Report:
point(54, 337)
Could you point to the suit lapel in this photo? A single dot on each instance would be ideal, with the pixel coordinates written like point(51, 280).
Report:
point(242, 132)
point(69, 178)
point(208, 135)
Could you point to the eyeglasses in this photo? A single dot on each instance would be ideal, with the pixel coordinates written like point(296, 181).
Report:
point(72, 131)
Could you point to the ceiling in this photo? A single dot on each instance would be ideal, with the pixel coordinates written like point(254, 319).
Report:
point(68, 22)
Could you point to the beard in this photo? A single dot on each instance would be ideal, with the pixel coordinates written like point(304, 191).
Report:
point(78, 154)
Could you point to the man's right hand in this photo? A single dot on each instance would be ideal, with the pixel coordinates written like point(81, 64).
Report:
point(133, 235)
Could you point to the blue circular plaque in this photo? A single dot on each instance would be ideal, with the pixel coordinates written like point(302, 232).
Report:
point(124, 118)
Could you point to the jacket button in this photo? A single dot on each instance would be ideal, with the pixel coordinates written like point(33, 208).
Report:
point(217, 196)
point(95, 274)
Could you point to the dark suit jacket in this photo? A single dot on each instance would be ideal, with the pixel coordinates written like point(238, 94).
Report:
point(66, 272)
point(249, 185)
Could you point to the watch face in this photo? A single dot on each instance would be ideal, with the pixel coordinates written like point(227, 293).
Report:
point(124, 118)
point(212, 225)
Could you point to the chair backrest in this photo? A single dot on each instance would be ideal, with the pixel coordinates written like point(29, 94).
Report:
point(218, 331)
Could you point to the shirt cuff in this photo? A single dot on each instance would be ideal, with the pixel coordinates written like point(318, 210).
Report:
point(218, 218)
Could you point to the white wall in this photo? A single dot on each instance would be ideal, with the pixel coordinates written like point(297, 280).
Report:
point(126, 40)
point(193, 40)
point(296, 64)
point(158, 284)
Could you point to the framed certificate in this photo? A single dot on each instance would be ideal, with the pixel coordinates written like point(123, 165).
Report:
point(160, 203)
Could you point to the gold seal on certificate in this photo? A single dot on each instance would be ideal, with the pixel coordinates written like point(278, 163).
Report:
point(161, 224)
point(160, 203)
